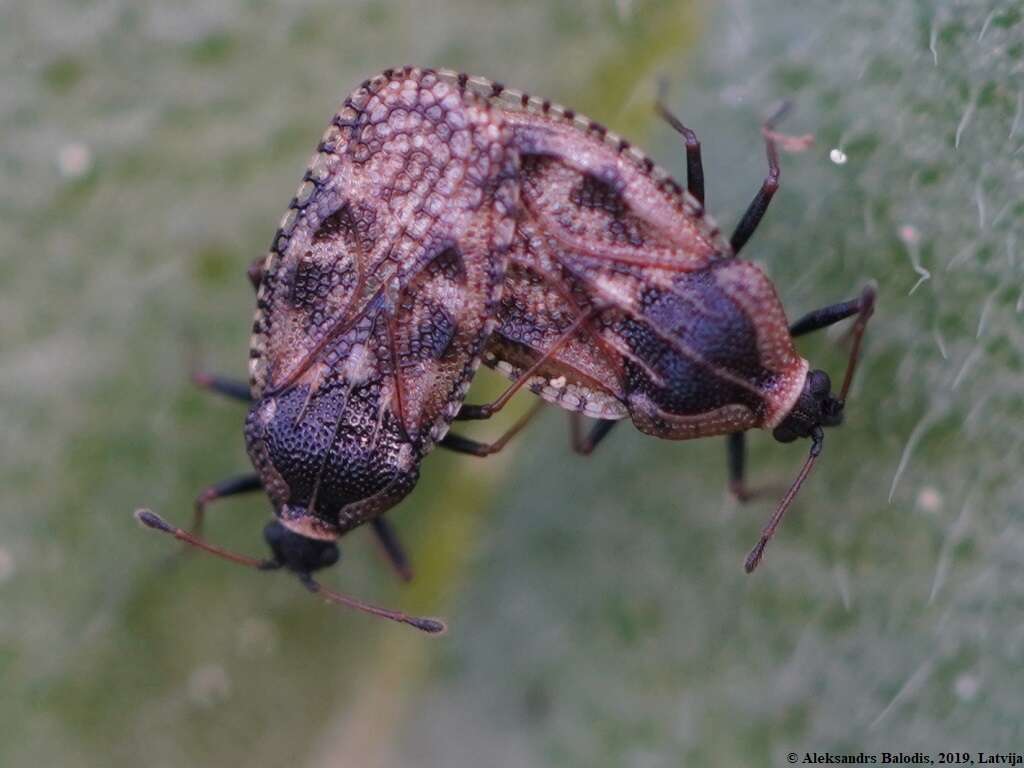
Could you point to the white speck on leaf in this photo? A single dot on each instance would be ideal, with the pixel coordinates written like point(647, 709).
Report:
point(74, 160)
point(909, 235)
point(966, 686)
point(208, 685)
point(837, 156)
point(929, 499)
point(256, 637)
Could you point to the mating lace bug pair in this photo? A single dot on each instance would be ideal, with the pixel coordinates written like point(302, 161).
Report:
point(446, 220)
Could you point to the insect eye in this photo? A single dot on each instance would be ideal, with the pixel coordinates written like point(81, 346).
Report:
point(329, 556)
point(784, 434)
point(832, 412)
point(819, 384)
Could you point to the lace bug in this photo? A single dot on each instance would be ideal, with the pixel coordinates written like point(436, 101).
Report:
point(446, 220)
point(623, 301)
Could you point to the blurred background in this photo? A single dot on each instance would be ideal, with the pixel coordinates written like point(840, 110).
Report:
point(598, 608)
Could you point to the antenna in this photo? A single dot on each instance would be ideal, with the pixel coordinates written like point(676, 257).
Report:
point(773, 523)
point(867, 308)
point(152, 520)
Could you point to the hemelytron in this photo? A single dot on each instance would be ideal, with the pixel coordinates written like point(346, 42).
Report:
point(446, 220)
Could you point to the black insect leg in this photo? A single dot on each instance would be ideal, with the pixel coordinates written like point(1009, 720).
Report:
point(759, 205)
point(461, 444)
point(473, 412)
point(694, 165)
point(232, 486)
point(824, 317)
point(255, 271)
point(233, 388)
point(736, 448)
point(586, 445)
point(736, 453)
point(863, 307)
point(389, 542)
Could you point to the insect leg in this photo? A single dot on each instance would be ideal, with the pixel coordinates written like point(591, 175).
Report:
point(233, 388)
point(736, 453)
point(586, 445)
point(232, 486)
point(388, 539)
point(759, 205)
point(863, 306)
point(255, 271)
point(736, 448)
point(473, 412)
point(824, 317)
point(461, 444)
point(694, 165)
point(864, 312)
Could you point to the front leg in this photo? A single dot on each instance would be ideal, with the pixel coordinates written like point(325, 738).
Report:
point(392, 547)
point(231, 388)
point(736, 448)
point(466, 445)
point(822, 318)
point(736, 453)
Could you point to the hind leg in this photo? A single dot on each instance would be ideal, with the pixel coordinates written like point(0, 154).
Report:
point(232, 486)
point(585, 445)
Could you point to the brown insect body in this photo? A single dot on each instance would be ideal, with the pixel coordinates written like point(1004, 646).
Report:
point(680, 336)
point(446, 220)
point(377, 298)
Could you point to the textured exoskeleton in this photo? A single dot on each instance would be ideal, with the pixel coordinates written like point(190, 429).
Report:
point(680, 336)
point(623, 299)
point(377, 298)
point(445, 219)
